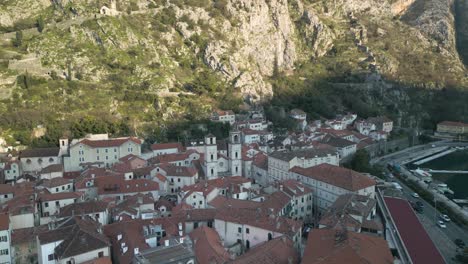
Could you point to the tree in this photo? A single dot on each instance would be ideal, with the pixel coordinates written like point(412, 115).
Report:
point(18, 41)
point(40, 24)
point(360, 161)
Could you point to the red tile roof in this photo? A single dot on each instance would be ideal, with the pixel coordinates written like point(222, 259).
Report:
point(116, 185)
point(261, 219)
point(103, 260)
point(276, 202)
point(133, 235)
point(39, 152)
point(52, 168)
point(6, 188)
point(55, 182)
point(83, 208)
point(295, 188)
point(414, 236)
point(223, 202)
point(4, 221)
point(44, 197)
point(113, 142)
point(260, 160)
point(276, 251)
point(173, 157)
point(451, 123)
point(208, 246)
point(334, 246)
point(161, 146)
point(179, 171)
point(337, 176)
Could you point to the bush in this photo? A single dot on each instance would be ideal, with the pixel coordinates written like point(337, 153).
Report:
point(18, 40)
point(40, 24)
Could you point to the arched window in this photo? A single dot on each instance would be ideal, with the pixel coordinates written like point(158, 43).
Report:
point(39, 161)
point(51, 160)
point(247, 244)
point(270, 236)
point(236, 138)
point(28, 161)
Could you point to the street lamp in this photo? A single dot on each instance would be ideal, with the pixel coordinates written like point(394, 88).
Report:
point(435, 209)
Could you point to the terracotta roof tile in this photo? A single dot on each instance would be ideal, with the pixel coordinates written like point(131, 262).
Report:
point(44, 197)
point(39, 152)
point(4, 221)
point(83, 208)
point(113, 142)
point(161, 146)
point(52, 168)
point(261, 219)
point(114, 185)
point(333, 246)
point(208, 246)
point(276, 251)
point(337, 176)
point(222, 202)
point(54, 182)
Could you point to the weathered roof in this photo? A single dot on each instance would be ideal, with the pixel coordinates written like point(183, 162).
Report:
point(113, 142)
point(113, 185)
point(52, 168)
point(259, 218)
point(45, 197)
point(208, 246)
point(83, 208)
point(4, 221)
point(337, 142)
point(336, 176)
point(79, 236)
point(260, 160)
point(39, 152)
point(223, 202)
point(415, 238)
point(334, 246)
point(451, 123)
point(173, 145)
point(302, 153)
point(276, 251)
point(55, 182)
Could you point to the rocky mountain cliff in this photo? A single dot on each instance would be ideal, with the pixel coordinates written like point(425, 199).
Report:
point(168, 51)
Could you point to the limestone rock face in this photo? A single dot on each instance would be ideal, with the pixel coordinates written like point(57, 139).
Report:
point(260, 39)
point(318, 36)
point(435, 19)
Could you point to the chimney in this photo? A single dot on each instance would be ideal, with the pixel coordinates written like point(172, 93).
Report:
point(281, 187)
point(166, 242)
point(181, 240)
point(136, 250)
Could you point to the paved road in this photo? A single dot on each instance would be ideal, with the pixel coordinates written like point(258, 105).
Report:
point(442, 238)
point(415, 151)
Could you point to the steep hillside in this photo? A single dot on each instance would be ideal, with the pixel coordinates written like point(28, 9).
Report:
point(145, 63)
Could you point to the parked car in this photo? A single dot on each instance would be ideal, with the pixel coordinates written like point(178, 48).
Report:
point(420, 204)
point(445, 218)
point(441, 224)
point(415, 195)
point(419, 209)
point(459, 243)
